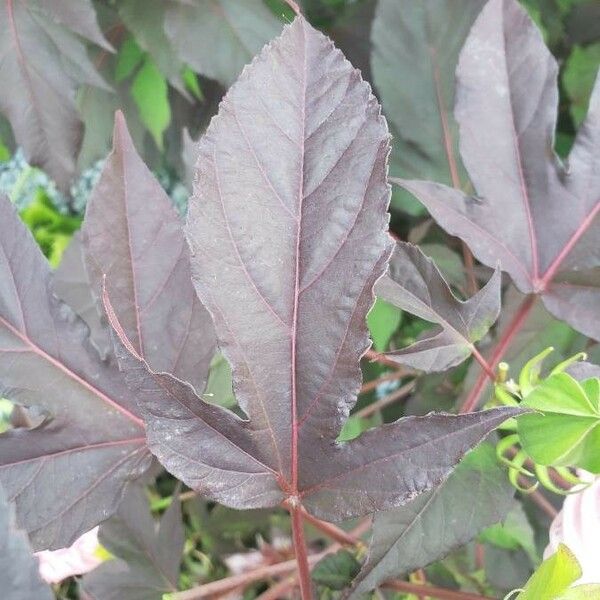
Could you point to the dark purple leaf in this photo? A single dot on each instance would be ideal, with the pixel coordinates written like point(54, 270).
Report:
point(74, 467)
point(147, 557)
point(19, 575)
point(42, 63)
point(416, 285)
point(287, 228)
point(72, 285)
point(584, 370)
point(78, 16)
point(535, 216)
point(476, 495)
point(133, 238)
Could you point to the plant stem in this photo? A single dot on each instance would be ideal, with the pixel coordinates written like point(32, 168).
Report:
point(540, 500)
point(513, 328)
point(432, 591)
point(301, 553)
point(374, 383)
point(381, 358)
point(335, 533)
point(223, 586)
point(378, 405)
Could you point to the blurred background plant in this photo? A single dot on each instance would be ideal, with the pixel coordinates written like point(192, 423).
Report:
point(166, 65)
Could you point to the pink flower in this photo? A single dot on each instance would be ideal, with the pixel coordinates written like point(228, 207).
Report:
point(577, 526)
point(81, 557)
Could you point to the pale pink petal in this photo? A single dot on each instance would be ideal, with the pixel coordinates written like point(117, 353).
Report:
point(577, 526)
point(81, 557)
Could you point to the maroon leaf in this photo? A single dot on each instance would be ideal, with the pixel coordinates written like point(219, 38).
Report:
point(41, 65)
point(537, 217)
point(19, 576)
point(287, 228)
point(133, 238)
point(146, 557)
point(75, 466)
point(71, 284)
point(416, 285)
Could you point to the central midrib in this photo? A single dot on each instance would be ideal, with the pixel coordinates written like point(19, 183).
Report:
point(294, 394)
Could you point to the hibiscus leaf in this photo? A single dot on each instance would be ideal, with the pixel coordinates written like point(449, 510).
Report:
point(536, 217)
point(19, 575)
point(146, 563)
point(415, 284)
point(41, 66)
point(430, 526)
point(71, 284)
point(287, 241)
point(91, 443)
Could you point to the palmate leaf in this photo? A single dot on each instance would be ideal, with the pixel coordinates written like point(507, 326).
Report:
point(19, 576)
point(74, 467)
point(476, 495)
point(534, 215)
point(147, 557)
point(287, 229)
point(42, 64)
point(415, 284)
point(418, 102)
point(218, 37)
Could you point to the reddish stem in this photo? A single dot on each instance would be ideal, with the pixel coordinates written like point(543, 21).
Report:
point(381, 358)
point(301, 553)
point(489, 371)
point(334, 532)
point(514, 327)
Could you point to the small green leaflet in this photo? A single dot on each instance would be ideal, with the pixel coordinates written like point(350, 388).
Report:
point(383, 320)
point(565, 430)
point(129, 58)
point(578, 78)
point(151, 95)
point(553, 580)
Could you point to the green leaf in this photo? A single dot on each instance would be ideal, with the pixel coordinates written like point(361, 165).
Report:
point(336, 571)
point(513, 533)
point(383, 320)
point(129, 58)
point(578, 78)
point(190, 80)
point(219, 388)
point(565, 430)
point(553, 578)
point(150, 93)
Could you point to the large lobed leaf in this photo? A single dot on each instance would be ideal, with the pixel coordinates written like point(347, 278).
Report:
point(533, 214)
point(19, 575)
point(42, 63)
point(67, 474)
point(415, 284)
point(287, 229)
